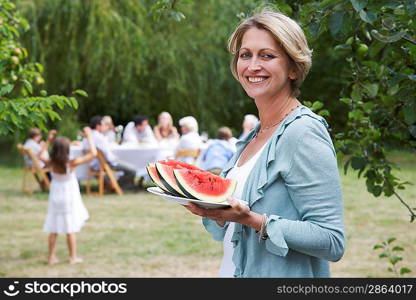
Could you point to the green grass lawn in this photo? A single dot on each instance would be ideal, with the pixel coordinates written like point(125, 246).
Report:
point(142, 235)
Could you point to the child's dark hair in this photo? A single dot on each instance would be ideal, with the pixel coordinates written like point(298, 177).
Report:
point(95, 121)
point(138, 119)
point(34, 132)
point(60, 154)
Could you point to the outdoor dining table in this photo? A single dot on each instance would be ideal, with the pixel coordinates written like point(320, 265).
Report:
point(135, 156)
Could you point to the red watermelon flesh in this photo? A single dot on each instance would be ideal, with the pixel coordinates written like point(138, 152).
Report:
point(151, 170)
point(165, 169)
point(176, 164)
point(165, 173)
point(204, 185)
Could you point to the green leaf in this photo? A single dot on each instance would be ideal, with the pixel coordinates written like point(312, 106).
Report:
point(314, 29)
point(28, 86)
point(317, 105)
point(336, 22)
point(383, 255)
point(177, 15)
point(324, 113)
point(81, 93)
point(60, 103)
point(376, 191)
point(409, 112)
point(6, 89)
point(13, 118)
point(39, 67)
point(405, 271)
point(388, 38)
point(397, 248)
point(346, 100)
point(395, 259)
point(393, 90)
point(391, 240)
point(358, 162)
point(359, 4)
point(372, 89)
point(390, 269)
point(8, 5)
point(74, 102)
point(377, 247)
point(53, 115)
point(368, 17)
point(343, 49)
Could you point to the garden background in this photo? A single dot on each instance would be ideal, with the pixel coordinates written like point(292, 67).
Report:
point(62, 62)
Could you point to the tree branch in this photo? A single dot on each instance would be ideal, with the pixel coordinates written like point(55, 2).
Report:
point(412, 213)
point(409, 40)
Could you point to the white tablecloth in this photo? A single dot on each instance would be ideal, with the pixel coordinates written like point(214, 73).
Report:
point(135, 156)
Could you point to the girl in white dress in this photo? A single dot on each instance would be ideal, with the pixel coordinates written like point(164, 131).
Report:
point(66, 211)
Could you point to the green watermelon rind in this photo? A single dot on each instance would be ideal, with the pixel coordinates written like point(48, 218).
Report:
point(165, 178)
point(156, 181)
point(191, 193)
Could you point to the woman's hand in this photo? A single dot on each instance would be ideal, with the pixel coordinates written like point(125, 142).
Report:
point(238, 212)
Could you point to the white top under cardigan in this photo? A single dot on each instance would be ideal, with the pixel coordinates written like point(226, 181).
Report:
point(239, 174)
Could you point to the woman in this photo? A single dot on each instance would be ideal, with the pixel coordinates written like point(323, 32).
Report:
point(164, 131)
point(167, 135)
point(289, 222)
point(109, 129)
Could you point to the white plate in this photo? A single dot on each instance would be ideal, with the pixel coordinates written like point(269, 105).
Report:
point(183, 200)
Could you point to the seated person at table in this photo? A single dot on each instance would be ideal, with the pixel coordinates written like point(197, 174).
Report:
point(126, 181)
point(219, 152)
point(164, 131)
point(190, 138)
point(110, 130)
point(249, 123)
point(138, 131)
point(34, 144)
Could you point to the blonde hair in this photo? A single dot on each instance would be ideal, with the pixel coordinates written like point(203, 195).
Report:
point(165, 113)
point(288, 35)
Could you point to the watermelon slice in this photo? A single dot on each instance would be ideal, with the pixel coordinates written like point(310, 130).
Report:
point(165, 171)
point(204, 185)
point(151, 170)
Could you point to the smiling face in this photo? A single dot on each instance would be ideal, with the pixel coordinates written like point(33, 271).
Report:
point(263, 67)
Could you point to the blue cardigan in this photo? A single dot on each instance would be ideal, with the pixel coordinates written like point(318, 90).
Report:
point(295, 182)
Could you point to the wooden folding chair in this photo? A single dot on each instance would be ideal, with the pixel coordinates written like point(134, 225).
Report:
point(35, 169)
point(194, 153)
point(104, 170)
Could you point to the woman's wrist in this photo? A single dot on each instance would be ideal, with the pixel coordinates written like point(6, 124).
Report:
point(253, 220)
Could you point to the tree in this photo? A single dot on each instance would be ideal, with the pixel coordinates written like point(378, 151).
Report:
point(377, 41)
point(20, 104)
